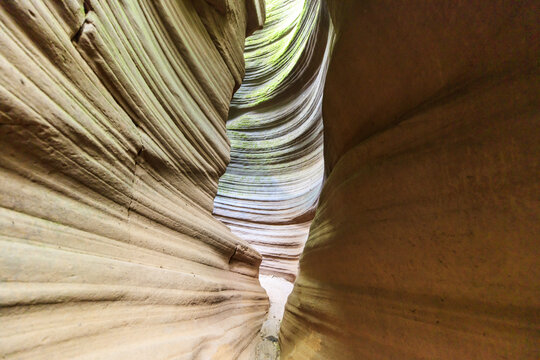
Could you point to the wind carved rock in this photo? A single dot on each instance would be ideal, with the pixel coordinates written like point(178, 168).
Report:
point(425, 244)
point(270, 190)
point(112, 129)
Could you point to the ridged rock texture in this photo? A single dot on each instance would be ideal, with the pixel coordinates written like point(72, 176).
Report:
point(112, 135)
point(270, 190)
point(426, 240)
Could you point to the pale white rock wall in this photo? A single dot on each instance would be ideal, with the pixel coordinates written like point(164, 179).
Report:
point(271, 187)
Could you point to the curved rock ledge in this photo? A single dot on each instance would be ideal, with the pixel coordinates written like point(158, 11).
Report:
point(112, 129)
point(269, 192)
point(425, 243)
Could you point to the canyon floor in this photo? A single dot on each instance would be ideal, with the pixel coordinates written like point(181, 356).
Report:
point(278, 289)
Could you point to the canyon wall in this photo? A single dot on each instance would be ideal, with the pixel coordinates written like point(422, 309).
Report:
point(425, 243)
point(270, 190)
point(112, 130)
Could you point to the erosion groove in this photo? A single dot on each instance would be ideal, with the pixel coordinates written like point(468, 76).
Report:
point(270, 190)
point(164, 162)
point(113, 140)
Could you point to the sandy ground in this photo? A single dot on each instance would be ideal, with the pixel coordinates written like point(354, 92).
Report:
point(278, 289)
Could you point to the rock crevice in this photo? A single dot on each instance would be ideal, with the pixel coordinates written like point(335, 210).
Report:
point(270, 189)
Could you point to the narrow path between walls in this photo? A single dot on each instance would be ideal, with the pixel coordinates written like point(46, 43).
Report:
point(270, 190)
point(278, 290)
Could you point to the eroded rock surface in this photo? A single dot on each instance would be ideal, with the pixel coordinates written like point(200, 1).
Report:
point(112, 133)
point(269, 192)
point(425, 244)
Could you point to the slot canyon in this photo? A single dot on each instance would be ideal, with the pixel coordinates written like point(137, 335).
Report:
point(266, 179)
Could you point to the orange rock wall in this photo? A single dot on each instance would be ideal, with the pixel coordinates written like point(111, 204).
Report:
point(425, 244)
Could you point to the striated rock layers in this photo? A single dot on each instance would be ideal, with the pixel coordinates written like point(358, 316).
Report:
point(112, 133)
point(425, 244)
point(269, 192)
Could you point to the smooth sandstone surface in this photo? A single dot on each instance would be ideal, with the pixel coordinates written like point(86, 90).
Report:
point(270, 190)
point(112, 136)
point(426, 240)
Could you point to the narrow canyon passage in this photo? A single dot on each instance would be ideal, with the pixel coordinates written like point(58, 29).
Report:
point(162, 163)
point(270, 189)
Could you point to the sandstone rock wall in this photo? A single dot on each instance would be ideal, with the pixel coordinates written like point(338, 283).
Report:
point(270, 190)
point(425, 243)
point(112, 137)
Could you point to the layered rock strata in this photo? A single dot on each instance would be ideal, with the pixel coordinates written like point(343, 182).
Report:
point(425, 243)
point(270, 189)
point(112, 130)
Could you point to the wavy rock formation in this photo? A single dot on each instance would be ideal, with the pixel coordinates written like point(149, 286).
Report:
point(112, 129)
point(269, 192)
point(425, 244)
